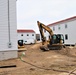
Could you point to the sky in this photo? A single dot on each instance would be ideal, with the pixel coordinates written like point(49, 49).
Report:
point(45, 11)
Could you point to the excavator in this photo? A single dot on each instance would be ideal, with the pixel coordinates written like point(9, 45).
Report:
point(55, 42)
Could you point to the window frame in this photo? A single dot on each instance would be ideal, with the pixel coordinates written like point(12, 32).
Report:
point(32, 34)
point(66, 36)
point(21, 34)
point(27, 34)
point(59, 27)
point(54, 28)
point(66, 26)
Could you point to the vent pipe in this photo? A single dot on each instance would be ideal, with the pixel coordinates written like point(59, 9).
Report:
point(9, 42)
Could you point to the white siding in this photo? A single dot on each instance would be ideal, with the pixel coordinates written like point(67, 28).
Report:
point(4, 35)
point(4, 30)
point(46, 34)
point(25, 37)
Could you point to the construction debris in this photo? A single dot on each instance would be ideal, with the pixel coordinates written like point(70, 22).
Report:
point(8, 66)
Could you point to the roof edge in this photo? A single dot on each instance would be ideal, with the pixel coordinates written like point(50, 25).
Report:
point(24, 31)
point(74, 17)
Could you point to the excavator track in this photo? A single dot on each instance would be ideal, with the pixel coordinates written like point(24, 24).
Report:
point(54, 47)
point(51, 47)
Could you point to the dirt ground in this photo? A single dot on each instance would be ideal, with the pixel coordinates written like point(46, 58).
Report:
point(33, 61)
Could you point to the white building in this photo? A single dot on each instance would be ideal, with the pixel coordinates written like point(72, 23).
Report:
point(66, 27)
point(8, 29)
point(28, 36)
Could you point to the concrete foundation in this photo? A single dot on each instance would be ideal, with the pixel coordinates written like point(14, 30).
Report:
point(4, 55)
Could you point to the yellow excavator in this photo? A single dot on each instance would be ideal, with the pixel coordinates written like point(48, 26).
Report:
point(56, 41)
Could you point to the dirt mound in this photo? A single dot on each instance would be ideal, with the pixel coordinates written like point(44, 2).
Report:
point(69, 51)
point(36, 46)
point(36, 62)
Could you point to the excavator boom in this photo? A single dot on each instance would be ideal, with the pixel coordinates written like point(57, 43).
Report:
point(41, 27)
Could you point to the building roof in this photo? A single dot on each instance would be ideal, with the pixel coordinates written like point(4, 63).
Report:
point(25, 31)
point(65, 20)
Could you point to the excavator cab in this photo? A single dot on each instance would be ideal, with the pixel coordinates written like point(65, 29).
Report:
point(53, 39)
point(56, 43)
point(57, 39)
point(60, 38)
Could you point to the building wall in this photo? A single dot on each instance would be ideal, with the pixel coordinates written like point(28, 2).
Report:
point(8, 33)
point(4, 55)
point(25, 37)
point(46, 34)
point(70, 31)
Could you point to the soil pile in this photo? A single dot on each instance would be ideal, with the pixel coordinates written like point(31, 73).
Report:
point(69, 51)
point(36, 46)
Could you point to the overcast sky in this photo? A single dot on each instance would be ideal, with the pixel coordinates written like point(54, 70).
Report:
point(45, 11)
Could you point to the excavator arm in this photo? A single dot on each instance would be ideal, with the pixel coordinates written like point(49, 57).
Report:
point(41, 27)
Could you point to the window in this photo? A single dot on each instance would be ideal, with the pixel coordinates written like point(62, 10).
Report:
point(54, 37)
point(65, 25)
point(21, 34)
point(59, 27)
point(44, 30)
point(32, 34)
point(66, 36)
point(53, 28)
point(27, 34)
